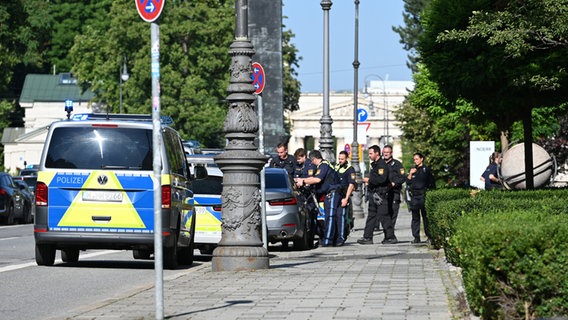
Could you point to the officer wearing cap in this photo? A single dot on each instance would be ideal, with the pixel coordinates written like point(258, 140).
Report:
point(326, 186)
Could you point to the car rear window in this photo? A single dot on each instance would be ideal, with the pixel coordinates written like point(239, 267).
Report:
point(100, 148)
point(209, 185)
point(276, 180)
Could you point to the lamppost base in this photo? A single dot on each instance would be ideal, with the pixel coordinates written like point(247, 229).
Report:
point(357, 199)
point(237, 258)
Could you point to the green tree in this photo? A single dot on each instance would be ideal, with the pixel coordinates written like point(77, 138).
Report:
point(194, 64)
point(291, 85)
point(465, 47)
point(440, 128)
point(411, 30)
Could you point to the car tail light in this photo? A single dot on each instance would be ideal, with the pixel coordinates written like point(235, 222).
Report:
point(166, 197)
point(322, 198)
point(283, 202)
point(217, 208)
point(3, 192)
point(41, 194)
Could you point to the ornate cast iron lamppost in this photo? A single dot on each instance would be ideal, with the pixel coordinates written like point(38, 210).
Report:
point(356, 198)
point(241, 247)
point(326, 140)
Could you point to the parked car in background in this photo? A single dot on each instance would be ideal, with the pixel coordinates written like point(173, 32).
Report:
point(285, 221)
point(29, 200)
point(207, 200)
point(12, 201)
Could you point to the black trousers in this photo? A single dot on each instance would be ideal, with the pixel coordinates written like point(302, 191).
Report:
point(417, 206)
point(378, 213)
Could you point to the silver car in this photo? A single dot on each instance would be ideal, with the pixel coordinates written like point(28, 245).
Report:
point(285, 221)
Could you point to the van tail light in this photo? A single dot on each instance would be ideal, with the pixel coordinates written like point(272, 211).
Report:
point(283, 202)
point(166, 197)
point(41, 194)
point(217, 208)
point(322, 198)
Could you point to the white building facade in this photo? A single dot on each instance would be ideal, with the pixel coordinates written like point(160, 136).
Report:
point(375, 117)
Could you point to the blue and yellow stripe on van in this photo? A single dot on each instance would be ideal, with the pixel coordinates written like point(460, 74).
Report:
point(100, 201)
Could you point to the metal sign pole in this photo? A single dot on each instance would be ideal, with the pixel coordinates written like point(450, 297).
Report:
point(156, 144)
point(262, 173)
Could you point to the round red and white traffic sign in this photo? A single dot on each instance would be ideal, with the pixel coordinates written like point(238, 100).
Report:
point(149, 10)
point(258, 77)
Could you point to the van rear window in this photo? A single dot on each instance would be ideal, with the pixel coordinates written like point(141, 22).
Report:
point(100, 148)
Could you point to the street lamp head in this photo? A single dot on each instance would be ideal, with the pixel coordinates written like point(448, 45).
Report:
point(124, 76)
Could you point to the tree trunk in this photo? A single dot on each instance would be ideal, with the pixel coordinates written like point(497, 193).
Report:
point(527, 126)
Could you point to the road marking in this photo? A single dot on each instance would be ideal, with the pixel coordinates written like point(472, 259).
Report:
point(30, 264)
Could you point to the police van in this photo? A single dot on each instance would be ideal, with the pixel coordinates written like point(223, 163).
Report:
point(95, 190)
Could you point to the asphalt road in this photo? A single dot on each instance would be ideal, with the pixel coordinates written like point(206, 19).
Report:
point(28, 291)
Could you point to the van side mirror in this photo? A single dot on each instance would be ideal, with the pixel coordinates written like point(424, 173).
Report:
point(200, 172)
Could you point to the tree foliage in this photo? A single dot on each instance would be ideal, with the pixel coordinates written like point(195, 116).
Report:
point(473, 52)
point(411, 30)
point(440, 129)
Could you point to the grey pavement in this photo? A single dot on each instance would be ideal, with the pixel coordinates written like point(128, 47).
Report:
point(400, 281)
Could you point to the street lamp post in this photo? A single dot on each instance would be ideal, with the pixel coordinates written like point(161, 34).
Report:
point(123, 77)
point(326, 140)
point(357, 198)
point(240, 247)
point(385, 104)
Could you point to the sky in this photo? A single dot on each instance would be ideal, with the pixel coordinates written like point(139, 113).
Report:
point(380, 52)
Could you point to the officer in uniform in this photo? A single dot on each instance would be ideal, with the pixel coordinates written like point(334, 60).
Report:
point(397, 179)
point(348, 185)
point(284, 160)
point(305, 194)
point(419, 179)
point(326, 185)
point(305, 167)
point(377, 184)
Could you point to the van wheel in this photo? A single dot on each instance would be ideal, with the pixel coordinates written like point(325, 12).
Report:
point(70, 255)
point(171, 255)
point(44, 254)
point(141, 254)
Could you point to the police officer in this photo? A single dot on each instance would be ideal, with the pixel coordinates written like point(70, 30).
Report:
point(397, 179)
point(348, 185)
point(377, 184)
point(326, 185)
point(284, 160)
point(305, 167)
point(305, 194)
point(419, 179)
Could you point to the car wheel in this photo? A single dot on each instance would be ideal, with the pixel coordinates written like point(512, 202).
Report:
point(10, 216)
point(70, 255)
point(28, 215)
point(303, 243)
point(44, 254)
point(141, 254)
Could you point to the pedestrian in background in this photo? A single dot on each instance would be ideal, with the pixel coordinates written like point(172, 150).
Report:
point(377, 186)
point(328, 187)
point(490, 175)
point(348, 185)
point(420, 179)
